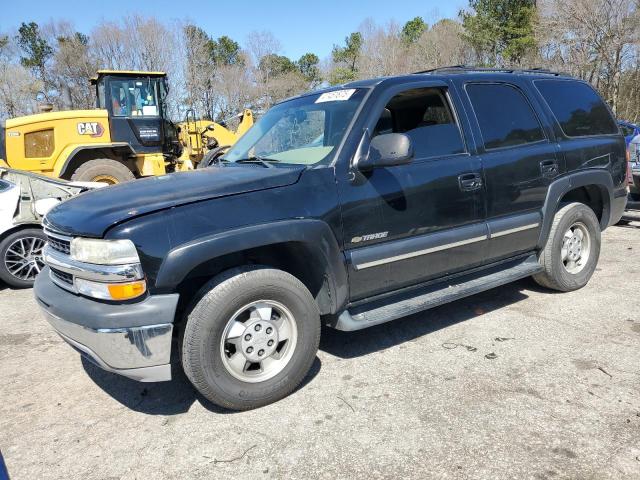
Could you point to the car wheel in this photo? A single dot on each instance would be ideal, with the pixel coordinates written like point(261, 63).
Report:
point(250, 337)
point(21, 257)
point(103, 170)
point(572, 250)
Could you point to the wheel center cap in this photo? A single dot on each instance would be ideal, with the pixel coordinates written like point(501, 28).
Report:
point(259, 340)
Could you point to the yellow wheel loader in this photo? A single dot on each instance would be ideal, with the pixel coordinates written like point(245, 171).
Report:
point(204, 140)
point(128, 136)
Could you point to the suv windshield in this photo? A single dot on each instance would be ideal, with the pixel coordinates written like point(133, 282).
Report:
point(302, 131)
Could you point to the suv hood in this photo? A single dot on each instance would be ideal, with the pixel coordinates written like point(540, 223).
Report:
point(92, 213)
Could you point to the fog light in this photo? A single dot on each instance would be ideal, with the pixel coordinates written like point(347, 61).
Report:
point(111, 291)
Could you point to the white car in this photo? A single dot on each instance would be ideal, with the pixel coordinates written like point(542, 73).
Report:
point(24, 200)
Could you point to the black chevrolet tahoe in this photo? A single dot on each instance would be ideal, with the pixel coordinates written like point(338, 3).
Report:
point(349, 207)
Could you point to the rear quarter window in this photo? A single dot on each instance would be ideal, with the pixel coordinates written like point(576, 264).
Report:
point(578, 108)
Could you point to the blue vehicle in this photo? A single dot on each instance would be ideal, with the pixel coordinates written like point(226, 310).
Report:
point(629, 130)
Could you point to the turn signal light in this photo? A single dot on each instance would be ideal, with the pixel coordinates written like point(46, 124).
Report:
point(126, 291)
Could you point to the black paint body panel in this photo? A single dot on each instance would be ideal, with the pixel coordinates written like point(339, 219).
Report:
point(181, 220)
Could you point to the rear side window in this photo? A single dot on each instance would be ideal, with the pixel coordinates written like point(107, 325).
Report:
point(577, 107)
point(506, 119)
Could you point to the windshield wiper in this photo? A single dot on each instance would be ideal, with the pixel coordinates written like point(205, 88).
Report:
point(266, 162)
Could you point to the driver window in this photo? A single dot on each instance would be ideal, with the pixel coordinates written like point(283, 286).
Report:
point(425, 115)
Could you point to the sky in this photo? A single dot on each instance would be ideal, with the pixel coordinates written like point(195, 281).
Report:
point(300, 26)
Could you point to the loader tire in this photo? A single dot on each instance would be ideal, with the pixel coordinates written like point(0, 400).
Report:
point(103, 170)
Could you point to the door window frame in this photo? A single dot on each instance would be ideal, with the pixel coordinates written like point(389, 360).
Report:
point(382, 101)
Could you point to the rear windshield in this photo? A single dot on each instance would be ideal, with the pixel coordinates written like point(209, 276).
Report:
point(577, 107)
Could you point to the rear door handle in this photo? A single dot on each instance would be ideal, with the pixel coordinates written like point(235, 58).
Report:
point(470, 182)
point(549, 168)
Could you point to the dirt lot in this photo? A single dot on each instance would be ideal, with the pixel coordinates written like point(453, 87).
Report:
point(515, 382)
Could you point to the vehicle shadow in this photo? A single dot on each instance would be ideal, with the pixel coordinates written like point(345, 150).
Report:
point(628, 221)
point(162, 398)
point(177, 396)
point(354, 344)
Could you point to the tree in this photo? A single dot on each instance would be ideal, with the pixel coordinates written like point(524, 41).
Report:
point(225, 51)
point(36, 50)
point(598, 41)
point(308, 67)
point(274, 65)
point(441, 45)
point(72, 67)
point(413, 30)
point(383, 51)
point(500, 31)
point(199, 70)
point(346, 58)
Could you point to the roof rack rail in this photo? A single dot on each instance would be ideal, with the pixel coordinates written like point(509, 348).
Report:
point(467, 68)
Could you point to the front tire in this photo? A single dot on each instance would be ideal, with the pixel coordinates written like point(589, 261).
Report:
point(103, 170)
point(572, 250)
point(21, 257)
point(250, 338)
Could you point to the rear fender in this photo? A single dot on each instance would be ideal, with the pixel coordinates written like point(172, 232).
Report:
point(596, 177)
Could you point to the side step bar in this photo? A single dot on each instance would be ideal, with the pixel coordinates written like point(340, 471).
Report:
point(401, 305)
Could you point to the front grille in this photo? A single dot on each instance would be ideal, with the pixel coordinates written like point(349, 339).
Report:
point(62, 276)
point(59, 244)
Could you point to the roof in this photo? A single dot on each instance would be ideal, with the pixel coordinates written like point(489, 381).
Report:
point(126, 73)
point(472, 69)
point(436, 74)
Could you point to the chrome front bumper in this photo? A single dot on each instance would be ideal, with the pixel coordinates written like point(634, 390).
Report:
point(140, 353)
point(133, 340)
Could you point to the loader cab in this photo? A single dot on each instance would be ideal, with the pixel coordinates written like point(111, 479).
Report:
point(137, 109)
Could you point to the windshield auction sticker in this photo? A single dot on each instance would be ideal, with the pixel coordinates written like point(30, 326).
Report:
point(336, 96)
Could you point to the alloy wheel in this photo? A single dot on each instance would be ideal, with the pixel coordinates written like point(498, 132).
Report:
point(576, 248)
point(23, 258)
point(258, 341)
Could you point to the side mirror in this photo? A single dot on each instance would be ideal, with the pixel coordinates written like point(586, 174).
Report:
point(387, 150)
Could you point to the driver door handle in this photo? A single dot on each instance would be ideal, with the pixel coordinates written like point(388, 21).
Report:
point(470, 182)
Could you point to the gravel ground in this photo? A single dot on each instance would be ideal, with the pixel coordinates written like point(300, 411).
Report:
point(516, 382)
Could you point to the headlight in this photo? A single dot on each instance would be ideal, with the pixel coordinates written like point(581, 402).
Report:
point(104, 252)
point(111, 291)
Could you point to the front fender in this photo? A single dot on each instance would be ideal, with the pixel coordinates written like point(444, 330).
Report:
point(314, 234)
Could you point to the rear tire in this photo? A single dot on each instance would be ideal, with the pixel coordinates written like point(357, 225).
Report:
point(103, 170)
point(571, 253)
point(21, 257)
point(250, 337)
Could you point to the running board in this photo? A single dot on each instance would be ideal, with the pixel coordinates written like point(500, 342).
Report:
point(401, 305)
